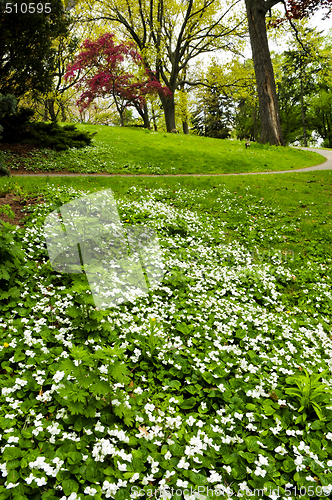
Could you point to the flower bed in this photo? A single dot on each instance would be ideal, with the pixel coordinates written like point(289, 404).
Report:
point(200, 388)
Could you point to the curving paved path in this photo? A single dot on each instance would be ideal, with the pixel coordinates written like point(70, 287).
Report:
point(327, 165)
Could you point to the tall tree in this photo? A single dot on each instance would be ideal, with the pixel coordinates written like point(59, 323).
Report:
point(288, 99)
point(246, 120)
point(170, 33)
point(226, 98)
point(266, 87)
point(298, 72)
point(321, 106)
point(304, 61)
point(213, 115)
point(26, 52)
point(320, 103)
point(55, 102)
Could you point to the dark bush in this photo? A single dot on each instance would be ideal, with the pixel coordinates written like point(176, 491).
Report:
point(18, 128)
point(8, 105)
point(4, 172)
point(16, 125)
point(52, 135)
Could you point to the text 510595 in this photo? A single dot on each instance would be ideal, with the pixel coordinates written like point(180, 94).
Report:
point(28, 8)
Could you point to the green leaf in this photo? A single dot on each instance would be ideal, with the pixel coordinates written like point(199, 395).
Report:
point(268, 409)
point(121, 494)
point(27, 433)
point(317, 424)
point(240, 333)
point(239, 472)
point(13, 476)
point(318, 411)
point(229, 459)
point(74, 457)
point(191, 389)
point(182, 327)
point(78, 425)
point(23, 463)
point(176, 450)
point(197, 478)
point(69, 486)
point(227, 395)
point(144, 366)
point(299, 419)
point(250, 457)
point(128, 418)
point(18, 356)
point(92, 473)
point(128, 475)
point(11, 453)
point(73, 312)
point(207, 376)
point(293, 392)
point(288, 465)
point(49, 494)
point(251, 443)
point(138, 465)
point(188, 403)
point(175, 383)
point(176, 496)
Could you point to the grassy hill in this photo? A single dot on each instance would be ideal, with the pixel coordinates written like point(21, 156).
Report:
point(139, 151)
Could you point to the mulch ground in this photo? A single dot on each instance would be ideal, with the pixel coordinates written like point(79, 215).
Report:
point(16, 204)
point(18, 148)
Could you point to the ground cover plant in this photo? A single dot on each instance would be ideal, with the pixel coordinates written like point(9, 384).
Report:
point(218, 382)
point(140, 151)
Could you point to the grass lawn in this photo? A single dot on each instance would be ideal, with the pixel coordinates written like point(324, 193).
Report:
point(218, 383)
point(139, 151)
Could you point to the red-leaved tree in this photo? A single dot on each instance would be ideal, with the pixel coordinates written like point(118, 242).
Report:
point(114, 70)
point(268, 104)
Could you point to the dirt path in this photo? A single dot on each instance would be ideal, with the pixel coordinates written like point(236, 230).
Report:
point(327, 165)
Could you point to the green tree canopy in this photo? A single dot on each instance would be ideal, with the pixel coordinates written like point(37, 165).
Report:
point(26, 51)
point(301, 75)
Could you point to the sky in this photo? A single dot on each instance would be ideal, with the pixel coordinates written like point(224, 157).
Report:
point(316, 21)
point(320, 24)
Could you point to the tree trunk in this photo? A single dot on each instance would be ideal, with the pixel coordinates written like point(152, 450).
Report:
point(304, 126)
point(45, 111)
point(270, 131)
point(254, 122)
point(154, 118)
point(146, 118)
point(120, 109)
point(144, 114)
point(185, 127)
point(63, 112)
point(169, 111)
point(50, 108)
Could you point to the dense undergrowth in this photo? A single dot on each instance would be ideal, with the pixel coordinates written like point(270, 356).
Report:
point(218, 383)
